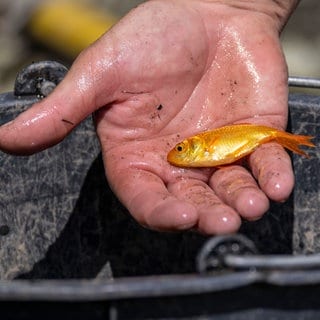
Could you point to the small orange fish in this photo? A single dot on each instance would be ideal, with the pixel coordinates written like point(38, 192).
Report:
point(227, 144)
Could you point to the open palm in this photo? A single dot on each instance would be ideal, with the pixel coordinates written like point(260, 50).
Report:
point(166, 71)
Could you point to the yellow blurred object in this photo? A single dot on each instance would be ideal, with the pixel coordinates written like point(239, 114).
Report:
point(68, 26)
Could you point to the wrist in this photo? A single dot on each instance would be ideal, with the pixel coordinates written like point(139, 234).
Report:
point(278, 10)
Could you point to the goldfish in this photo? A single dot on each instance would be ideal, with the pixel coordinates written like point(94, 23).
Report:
point(230, 143)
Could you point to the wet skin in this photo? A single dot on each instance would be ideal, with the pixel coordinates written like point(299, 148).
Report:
point(166, 71)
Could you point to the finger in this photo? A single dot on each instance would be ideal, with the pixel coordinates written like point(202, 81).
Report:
point(215, 217)
point(148, 200)
point(237, 188)
point(271, 166)
point(49, 121)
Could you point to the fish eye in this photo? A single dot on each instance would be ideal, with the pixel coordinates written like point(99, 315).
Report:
point(179, 147)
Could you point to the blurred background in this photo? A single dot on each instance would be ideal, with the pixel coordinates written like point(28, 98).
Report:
point(33, 30)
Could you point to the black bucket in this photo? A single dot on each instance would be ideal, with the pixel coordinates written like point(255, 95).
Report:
point(69, 249)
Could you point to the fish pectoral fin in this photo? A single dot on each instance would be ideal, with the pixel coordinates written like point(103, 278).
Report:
point(210, 143)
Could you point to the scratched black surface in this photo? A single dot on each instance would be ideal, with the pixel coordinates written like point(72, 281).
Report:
point(65, 222)
point(306, 120)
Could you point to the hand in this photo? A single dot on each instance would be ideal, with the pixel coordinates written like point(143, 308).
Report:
point(169, 70)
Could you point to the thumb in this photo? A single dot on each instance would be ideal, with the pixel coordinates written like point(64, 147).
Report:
point(47, 122)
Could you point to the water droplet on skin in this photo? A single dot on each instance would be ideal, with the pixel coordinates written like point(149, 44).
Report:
point(251, 202)
point(225, 219)
point(184, 216)
point(277, 186)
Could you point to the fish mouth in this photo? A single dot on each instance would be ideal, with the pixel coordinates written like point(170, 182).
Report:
point(171, 158)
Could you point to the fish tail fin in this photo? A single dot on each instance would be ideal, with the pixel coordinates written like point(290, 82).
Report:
point(293, 141)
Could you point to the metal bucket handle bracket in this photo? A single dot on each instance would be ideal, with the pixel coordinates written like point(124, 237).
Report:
point(39, 78)
point(212, 255)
